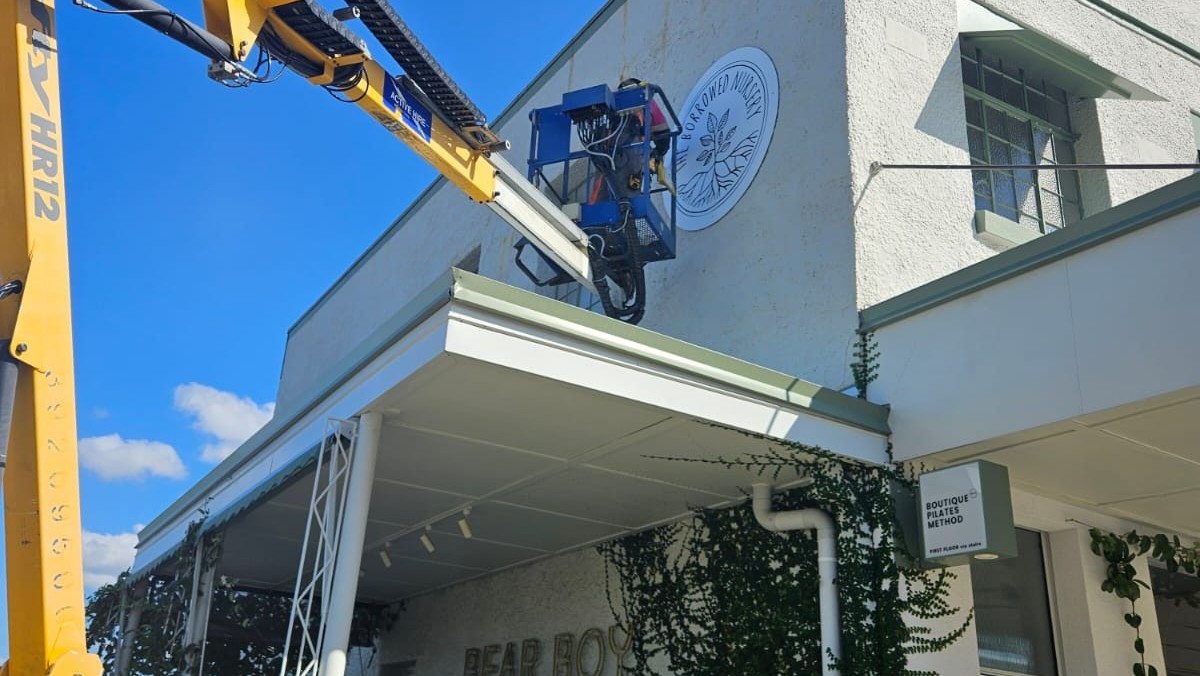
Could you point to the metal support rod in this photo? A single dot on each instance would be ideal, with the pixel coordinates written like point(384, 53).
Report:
point(175, 27)
point(878, 166)
point(335, 643)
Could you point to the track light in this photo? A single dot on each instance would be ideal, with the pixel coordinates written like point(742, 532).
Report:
point(425, 541)
point(464, 526)
point(386, 558)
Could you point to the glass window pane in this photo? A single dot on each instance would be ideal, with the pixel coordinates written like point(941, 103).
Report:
point(1043, 144)
point(1018, 134)
point(1178, 622)
point(1056, 114)
point(998, 152)
point(977, 145)
point(996, 121)
point(1051, 210)
point(1014, 93)
point(983, 186)
point(1012, 611)
point(1037, 105)
point(974, 112)
point(1027, 198)
point(1002, 191)
point(983, 202)
point(1048, 180)
point(970, 73)
point(993, 83)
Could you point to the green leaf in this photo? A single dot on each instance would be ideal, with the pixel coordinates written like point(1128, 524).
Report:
point(1133, 619)
point(1153, 670)
point(1140, 646)
point(1139, 669)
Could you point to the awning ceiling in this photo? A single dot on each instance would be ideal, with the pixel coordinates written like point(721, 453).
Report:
point(1140, 461)
point(555, 428)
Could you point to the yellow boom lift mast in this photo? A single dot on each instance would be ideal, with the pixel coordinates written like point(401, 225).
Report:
point(423, 108)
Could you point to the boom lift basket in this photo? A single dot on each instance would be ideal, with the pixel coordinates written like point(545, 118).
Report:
point(598, 155)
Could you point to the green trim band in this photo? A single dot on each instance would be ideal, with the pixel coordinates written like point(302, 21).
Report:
point(1092, 231)
point(597, 329)
point(1146, 28)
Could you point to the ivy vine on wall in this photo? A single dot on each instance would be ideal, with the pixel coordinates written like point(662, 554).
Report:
point(865, 367)
point(718, 594)
point(1119, 553)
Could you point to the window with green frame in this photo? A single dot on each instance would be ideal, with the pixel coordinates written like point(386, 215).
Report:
point(1016, 117)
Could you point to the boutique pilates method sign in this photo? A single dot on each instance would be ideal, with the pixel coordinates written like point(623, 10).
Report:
point(966, 512)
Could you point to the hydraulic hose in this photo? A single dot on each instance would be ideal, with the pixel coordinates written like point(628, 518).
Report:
point(176, 27)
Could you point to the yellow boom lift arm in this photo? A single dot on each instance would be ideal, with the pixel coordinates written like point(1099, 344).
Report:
point(423, 108)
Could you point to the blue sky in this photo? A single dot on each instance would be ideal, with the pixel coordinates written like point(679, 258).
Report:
point(204, 221)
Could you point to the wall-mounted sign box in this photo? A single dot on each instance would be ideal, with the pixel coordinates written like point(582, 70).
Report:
point(965, 512)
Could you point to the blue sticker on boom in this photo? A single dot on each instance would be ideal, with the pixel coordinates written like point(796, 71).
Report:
point(412, 112)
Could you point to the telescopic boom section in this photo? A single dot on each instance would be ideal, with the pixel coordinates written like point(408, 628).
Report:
point(41, 484)
point(425, 108)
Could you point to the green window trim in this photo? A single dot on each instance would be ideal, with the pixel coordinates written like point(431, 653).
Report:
point(1010, 109)
point(1004, 127)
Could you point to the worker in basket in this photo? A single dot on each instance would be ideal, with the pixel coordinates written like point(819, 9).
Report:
point(626, 166)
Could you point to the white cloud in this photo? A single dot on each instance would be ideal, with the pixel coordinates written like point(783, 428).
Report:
point(224, 415)
point(106, 555)
point(116, 459)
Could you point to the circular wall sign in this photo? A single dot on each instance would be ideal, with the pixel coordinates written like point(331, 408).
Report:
point(727, 124)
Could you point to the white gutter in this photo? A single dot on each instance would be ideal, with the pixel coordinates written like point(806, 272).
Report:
point(822, 522)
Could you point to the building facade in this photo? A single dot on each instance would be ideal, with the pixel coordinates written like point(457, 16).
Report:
point(1037, 319)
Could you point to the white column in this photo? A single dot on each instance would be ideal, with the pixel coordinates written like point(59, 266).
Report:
point(344, 588)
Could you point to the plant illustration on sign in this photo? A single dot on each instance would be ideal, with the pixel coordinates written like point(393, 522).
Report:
point(721, 160)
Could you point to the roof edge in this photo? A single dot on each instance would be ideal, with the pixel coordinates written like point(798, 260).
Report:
point(420, 308)
point(488, 294)
point(1097, 229)
point(491, 295)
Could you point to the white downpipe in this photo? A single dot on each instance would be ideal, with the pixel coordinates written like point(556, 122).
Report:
point(811, 519)
point(344, 588)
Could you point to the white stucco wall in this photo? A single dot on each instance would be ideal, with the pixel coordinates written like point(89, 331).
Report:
point(905, 106)
point(565, 594)
point(782, 257)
